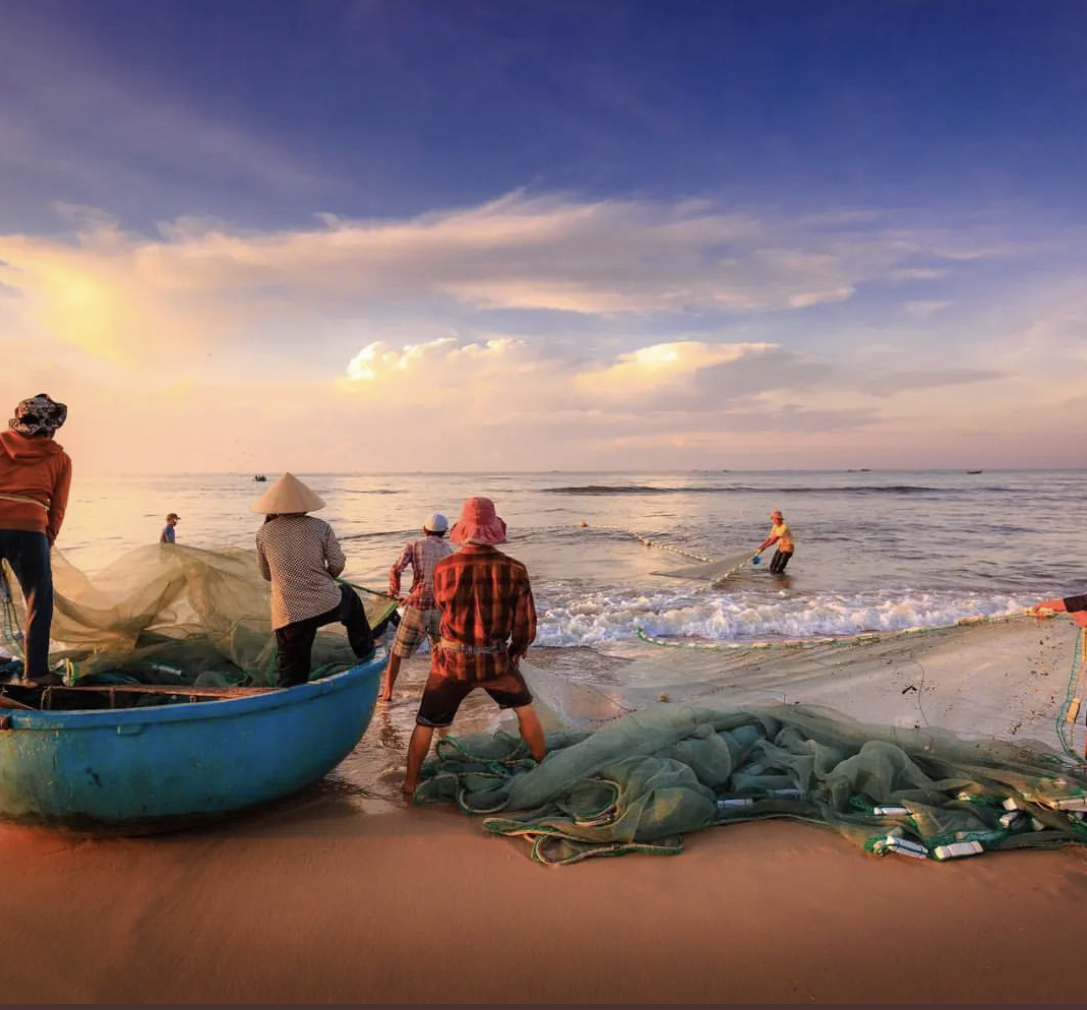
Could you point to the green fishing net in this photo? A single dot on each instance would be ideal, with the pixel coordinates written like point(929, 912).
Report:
point(642, 781)
point(172, 614)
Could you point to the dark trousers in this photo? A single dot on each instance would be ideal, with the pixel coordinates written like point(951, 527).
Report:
point(779, 561)
point(28, 555)
point(295, 641)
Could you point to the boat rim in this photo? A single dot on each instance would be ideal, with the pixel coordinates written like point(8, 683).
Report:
point(22, 719)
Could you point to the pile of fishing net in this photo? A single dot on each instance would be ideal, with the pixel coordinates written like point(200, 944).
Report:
point(171, 614)
point(640, 782)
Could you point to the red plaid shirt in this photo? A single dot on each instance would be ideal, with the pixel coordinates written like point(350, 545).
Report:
point(485, 600)
point(422, 555)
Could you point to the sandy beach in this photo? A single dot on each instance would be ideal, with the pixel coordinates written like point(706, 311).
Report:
point(314, 902)
point(346, 894)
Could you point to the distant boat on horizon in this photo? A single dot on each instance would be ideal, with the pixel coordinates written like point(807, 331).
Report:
point(974, 471)
point(259, 476)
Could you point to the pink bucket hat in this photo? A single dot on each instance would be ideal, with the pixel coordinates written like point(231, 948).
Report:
point(479, 523)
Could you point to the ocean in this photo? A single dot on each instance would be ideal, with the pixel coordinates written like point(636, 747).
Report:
point(875, 550)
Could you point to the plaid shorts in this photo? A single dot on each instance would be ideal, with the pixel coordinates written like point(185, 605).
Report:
point(416, 625)
point(442, 696)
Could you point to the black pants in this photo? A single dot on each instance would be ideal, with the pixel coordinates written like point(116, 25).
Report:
point(28, 555)
point(779, 561)
point(295, 641)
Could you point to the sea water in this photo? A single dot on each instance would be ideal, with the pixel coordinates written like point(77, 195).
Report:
point(876, 551)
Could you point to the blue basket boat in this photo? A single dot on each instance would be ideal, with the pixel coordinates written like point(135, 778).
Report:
point(155, 768)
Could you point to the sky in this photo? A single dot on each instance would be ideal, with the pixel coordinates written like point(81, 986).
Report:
point(257, 235)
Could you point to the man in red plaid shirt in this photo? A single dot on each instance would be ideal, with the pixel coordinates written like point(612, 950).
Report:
point(420, 615)
point(488, 621)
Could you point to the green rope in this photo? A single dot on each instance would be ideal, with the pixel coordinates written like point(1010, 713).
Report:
point(372, 592)
point(1066, 727)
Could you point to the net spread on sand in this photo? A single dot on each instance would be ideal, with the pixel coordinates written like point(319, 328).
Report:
point(171, 614)
point(640, 782)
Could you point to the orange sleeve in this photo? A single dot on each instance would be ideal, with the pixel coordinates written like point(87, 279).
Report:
point(58, 503)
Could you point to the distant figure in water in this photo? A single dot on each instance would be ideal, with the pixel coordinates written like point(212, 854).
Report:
point(35, 475)
point(420, 614)
point(1074, 605)
point(301, 557)
point(488, 621)
point(781, 535)
point(168, 530)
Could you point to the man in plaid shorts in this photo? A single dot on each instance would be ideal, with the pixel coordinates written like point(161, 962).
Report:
point(488, 621)
point(420, 618)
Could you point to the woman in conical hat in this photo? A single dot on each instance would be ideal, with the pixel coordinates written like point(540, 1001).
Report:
point(300, 556)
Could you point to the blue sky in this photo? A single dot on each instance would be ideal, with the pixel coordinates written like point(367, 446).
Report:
point(859, 225)
point(374, 109)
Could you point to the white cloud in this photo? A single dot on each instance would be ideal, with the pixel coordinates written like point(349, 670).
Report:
point(669, 323)
point(200, 282)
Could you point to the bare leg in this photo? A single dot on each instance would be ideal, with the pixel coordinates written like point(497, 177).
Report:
point(531, 731)
point(418, 746)
point(391, 672)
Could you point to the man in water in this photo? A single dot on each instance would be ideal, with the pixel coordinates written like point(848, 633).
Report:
point(488, 621)
point(420, 614)
point(781, 535)
point(168, 530)
point(35, 475)
point(301, 557)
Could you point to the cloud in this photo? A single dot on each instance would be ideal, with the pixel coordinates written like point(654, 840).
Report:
point(199, 282)
point(920, 379)
point(530, 323)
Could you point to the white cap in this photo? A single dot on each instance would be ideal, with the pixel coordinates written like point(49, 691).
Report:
point(436, 523)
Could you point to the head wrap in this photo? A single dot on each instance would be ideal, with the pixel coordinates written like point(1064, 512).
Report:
point(38, 415)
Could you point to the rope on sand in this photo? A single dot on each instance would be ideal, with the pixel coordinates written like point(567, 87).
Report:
point(1073, 699)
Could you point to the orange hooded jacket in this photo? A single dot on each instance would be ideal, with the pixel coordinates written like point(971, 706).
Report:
point(37, 469)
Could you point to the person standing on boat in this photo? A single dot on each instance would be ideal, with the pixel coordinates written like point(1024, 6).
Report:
point(1074, 605)
point(781, 535)
point(488, 621)
point(301, 557)
point(35, 475)
point(420, 614)
point(168, 530)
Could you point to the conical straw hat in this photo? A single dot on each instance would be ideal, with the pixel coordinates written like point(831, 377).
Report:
point(288, 494)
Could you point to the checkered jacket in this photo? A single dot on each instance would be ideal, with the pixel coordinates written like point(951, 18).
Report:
point(485, 601)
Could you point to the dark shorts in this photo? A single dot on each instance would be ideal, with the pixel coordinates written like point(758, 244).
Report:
point(779, 561)
point(442, 696)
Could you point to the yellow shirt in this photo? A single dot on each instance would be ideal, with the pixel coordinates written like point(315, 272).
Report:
point(785, 537)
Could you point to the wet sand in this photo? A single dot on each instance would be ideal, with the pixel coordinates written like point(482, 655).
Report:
point(316, 902)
